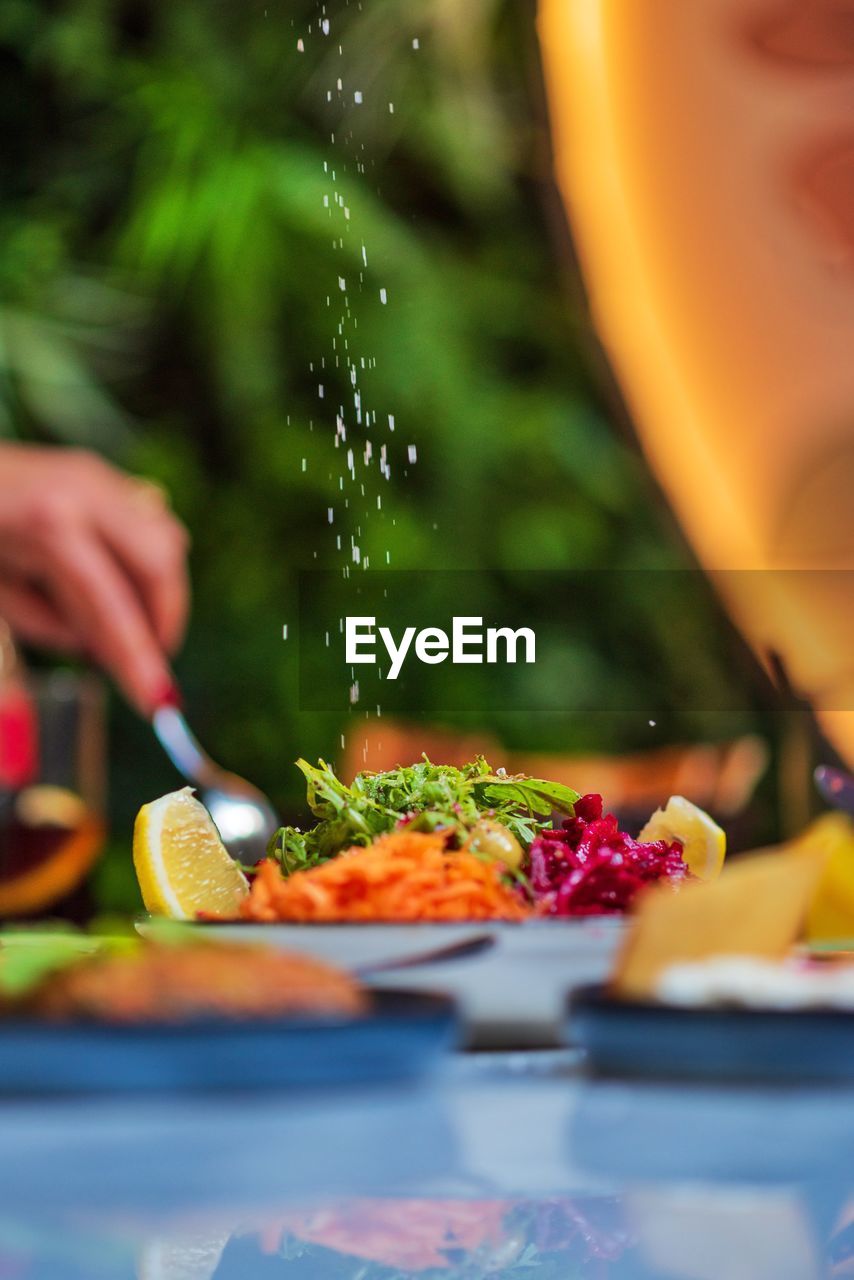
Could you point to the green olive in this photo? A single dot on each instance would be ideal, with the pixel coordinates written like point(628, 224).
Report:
point(493, 840)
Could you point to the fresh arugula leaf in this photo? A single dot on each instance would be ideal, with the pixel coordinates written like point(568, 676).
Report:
point(426, 796)
point(539, 797)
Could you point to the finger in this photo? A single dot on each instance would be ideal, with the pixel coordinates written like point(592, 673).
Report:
point(34, 618)
point(151, 545)
point(100, 603)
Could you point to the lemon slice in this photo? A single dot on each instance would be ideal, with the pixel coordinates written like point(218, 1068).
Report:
point(703, 842)
point(831, 914)
point(181, 864)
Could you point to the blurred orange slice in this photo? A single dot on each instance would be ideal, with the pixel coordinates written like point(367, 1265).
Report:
point(49, 844)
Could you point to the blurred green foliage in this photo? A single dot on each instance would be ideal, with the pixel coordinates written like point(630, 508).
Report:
point(166, 257)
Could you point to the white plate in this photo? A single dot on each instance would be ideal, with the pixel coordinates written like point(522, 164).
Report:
point(514, 996)
point(349, 946)
point(510, 996)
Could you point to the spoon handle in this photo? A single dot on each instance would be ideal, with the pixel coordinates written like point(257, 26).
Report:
point(182, 747)
point(436, 955)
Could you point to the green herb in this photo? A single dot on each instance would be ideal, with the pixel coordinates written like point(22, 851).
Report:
point(29, 955)
point(426, 796)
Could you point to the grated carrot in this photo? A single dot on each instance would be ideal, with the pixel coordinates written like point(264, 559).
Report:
point(405, 876)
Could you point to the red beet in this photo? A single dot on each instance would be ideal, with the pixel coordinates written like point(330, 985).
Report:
point(590, 867)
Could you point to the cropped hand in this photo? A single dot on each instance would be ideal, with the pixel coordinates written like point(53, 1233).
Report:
point(92, 561)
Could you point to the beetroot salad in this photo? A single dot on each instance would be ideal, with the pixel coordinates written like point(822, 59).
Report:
point(590, 867)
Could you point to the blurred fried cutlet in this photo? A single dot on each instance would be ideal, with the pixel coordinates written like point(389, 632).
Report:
point(174, 983)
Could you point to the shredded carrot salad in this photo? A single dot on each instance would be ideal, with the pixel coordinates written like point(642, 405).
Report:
point(401, 877)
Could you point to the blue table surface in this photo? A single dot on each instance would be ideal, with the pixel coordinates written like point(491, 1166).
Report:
point(656, 1179)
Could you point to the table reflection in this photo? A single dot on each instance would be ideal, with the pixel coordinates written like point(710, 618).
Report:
point(505, 1166)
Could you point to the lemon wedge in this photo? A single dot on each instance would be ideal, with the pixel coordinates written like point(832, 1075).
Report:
point(831, 914)
point(703, 842)
point(181, 864)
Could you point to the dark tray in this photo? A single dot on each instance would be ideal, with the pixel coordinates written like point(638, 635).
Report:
point(399, 1039)
point(656, 1041)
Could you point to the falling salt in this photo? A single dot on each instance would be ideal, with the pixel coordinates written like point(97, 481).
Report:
point(391, 108)
point(320, 390)
point(285, 632)
point(415, 43)
point(383, 297)
point(357, 97)
point(652, 724)
point(342, 284)
point(391, 422)
point(412, 453)
point(329, 514)
point(324, 26)
point(300, 45)
point(354, 692)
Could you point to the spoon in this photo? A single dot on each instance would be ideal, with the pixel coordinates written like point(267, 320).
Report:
point(436, 955)
point(835, 786)
point(242, 814)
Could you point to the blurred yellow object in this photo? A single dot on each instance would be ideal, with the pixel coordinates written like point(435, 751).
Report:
point(831, 914)
point(703, 842)
point(181, 864)
point(757, 908)
point(703, 157)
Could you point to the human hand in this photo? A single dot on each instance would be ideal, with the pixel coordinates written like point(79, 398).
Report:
point(92, 561)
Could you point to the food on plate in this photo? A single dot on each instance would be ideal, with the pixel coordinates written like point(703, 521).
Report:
point(405, 876)
point(757, 908)
point(492, 840)
point(739, 941)
point(177, 982)
point(423, 797)
point(181, 863)
point(740, 981)
point(590, 867)
point(703, 841)
point(424, 842)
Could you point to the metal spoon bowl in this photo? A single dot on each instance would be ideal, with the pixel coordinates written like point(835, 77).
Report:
point(241, 813)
